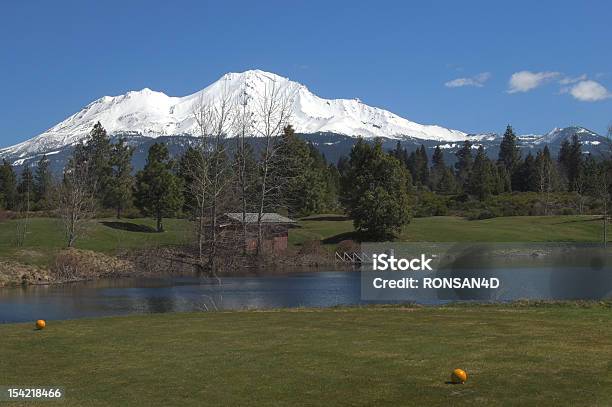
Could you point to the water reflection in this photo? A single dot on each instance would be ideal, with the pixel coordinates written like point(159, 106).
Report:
point(323, 289)
point(146, 295)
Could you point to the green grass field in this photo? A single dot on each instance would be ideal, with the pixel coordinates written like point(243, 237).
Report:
point(45, 235)
point(456, 229)
point(514, 356)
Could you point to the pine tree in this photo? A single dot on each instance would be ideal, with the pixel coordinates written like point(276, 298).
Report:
point(528, 174)
point(329, 174)
point(510, 156)
point(190, 160)
point(8, 186)
point(509, 153)
point(158, 191)
point(413, 164)
point(399, 152)
point(25, 189)
point(97, 150)
point(437, 160)
point(343, 165)
point(576, 163)
point(119, 188)
point(301, 182)
point(571, 161)
point(43, 184)
point(423, 170)
point(481, 183)
point(464, 164)
point(438, 170)
point(502, 179)
point(591, 173)
point(418, 165)
point(374, 190)
point(448, 183)
point(564, 153)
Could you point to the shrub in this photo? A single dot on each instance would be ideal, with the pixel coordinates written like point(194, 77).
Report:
point(480, 214)
point(431, 204)
point(74, 264)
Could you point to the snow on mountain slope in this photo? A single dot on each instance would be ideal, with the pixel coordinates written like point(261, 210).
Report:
point(153, 114)
point(559, 134)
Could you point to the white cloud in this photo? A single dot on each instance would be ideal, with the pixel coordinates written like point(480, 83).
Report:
point(568, 80)
point(589, 91)
point(525, 81)
point(477, 80)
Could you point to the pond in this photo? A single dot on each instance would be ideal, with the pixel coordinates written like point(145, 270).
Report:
point(310, 289)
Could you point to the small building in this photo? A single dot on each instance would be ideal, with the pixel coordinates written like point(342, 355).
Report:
point(275, 229)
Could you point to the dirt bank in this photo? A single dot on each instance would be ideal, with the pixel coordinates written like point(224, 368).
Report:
point(68, 265)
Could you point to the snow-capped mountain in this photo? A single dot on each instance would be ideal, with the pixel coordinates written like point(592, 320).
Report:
point(558, 135)
point(146, 116)
point(153, 114)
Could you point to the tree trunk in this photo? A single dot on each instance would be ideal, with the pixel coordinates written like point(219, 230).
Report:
point(243, 182)
point(262, 201)
point(71, 234)
point(201, 238)
point(213, 239)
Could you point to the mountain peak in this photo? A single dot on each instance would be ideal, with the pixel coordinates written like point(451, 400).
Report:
point(253, 77)
point(143, 91)
point(152, 114)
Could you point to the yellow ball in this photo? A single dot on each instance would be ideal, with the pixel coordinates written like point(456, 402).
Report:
point(40, 324)
point(459, 376)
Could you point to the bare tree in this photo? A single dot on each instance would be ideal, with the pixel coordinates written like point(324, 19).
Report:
point(210, 173)
point(24, 200)
point(580, 190)
point(243, 129)
point(272, 111)
point(76, 199)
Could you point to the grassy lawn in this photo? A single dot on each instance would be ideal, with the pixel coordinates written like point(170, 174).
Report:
point(514, 355)
point(455, 229)
point(46, 236)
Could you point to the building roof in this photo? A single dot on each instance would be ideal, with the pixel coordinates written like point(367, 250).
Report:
point(251, 217)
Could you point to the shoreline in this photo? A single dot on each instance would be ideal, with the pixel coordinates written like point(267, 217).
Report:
point(407, 307)
point(78, 265)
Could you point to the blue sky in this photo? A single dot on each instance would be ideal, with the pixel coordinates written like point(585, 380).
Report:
point(468, 65)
